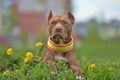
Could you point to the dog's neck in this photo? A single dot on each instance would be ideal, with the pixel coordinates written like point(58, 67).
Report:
point(60, 46)
point(61, 41)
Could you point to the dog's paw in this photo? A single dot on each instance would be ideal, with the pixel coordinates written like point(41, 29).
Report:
point(79, 78)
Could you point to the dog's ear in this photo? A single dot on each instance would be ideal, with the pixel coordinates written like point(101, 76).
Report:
point(50, 16)
point(71, 17)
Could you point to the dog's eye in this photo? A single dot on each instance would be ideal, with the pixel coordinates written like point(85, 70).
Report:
point(64, 22)
point(53, 22)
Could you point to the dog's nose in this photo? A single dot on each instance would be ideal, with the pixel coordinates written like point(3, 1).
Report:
point(58, 29)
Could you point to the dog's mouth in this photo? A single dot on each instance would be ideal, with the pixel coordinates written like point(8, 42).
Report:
point(57, 36)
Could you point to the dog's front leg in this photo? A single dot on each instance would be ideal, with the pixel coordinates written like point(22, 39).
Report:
point(48, 57)
point(74, 64)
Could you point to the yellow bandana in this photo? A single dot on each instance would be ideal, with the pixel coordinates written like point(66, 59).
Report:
point(60, 47)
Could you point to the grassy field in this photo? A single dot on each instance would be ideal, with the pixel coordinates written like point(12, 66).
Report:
point(105, 56)
point(99, 60)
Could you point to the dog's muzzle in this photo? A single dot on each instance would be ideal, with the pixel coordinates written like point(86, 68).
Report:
point(60, 47)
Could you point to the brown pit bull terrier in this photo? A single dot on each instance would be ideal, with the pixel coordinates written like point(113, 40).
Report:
point(60, 43)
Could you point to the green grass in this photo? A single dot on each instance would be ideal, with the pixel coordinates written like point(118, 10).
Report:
point(104, 54)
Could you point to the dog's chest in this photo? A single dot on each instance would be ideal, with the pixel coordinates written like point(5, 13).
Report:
point(59, 56)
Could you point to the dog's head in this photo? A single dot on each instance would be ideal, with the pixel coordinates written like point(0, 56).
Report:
point(60, 26)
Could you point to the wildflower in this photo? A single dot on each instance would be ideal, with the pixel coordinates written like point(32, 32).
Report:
point(27, 59)
point(29, 55)
point(17, 70)
point(39, 58)
point(38, 44)
point(110, 68)
point(9, 51)
point(6, 72)
point(70, 70)
point(91, 66)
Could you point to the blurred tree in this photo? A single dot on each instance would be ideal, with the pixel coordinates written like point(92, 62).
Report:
point(10, 20)
point(41, 1)
point(68, 5)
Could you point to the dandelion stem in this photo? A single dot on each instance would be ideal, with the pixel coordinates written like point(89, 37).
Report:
point(38, 52)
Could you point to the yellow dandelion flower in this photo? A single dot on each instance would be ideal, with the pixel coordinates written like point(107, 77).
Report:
point(110, 68)
point(70, 70)
point(38, 44)
point(6, 72)
point(91, 66)
point(17, 70)
point(27, 59)
point(9, 51)
point(29, 55)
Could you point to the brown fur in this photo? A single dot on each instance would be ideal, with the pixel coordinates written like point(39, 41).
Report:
point(64, 23)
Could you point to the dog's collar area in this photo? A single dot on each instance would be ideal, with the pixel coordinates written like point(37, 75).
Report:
point(60, 47)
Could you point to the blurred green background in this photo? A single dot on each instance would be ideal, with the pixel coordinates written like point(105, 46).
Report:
point(96, 30)
point(23, 23)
